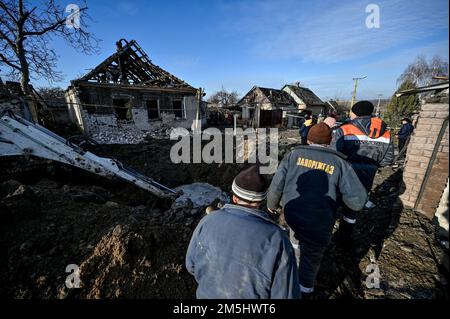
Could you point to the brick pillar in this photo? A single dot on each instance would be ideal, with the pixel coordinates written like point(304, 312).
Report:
point(420, 150)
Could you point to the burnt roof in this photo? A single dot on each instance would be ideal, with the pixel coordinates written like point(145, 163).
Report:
point(274, 96)
point(11, 88)
point(130, 65)
point(277, 96)
point(306, 95)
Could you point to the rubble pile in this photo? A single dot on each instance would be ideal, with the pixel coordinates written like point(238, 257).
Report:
point(15, 105)
point(112, 135)
point(161, 133)
point(132, 135)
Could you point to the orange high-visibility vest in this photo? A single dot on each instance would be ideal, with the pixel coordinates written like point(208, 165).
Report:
point(351, 132)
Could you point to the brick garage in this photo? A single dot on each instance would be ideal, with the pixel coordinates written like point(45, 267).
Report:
point(426, 170)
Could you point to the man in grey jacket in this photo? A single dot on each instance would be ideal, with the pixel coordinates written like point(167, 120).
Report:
point(239, 252)
point(310, 182)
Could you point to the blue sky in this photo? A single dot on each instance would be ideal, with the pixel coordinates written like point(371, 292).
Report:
point(239, 44)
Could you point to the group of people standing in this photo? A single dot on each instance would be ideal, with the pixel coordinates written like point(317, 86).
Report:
point(239, 251)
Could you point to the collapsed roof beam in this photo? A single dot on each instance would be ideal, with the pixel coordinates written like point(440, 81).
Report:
point(133, 65)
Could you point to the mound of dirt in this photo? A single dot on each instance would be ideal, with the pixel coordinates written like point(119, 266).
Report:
point(122, 250)
point(129, 244)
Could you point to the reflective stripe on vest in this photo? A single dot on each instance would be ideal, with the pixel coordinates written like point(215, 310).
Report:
point(352, 133)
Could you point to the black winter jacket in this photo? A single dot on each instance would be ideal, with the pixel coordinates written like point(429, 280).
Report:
point(405, 131)
point(367, 144)
point(310, 182)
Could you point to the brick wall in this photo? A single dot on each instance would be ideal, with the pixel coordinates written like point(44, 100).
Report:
point(430, 121)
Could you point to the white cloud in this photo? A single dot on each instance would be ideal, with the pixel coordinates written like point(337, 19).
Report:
point(128, 8)
point(403, 57)
point(335, 32)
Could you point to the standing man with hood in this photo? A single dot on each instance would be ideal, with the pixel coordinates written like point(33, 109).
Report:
point(368, 145)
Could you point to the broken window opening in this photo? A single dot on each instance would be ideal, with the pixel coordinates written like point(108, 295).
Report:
point(152, 109)
point(177, 106)
point(122, 108)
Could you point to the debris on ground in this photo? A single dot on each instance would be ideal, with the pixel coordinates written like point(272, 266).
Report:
point(395, 254)
point(132, 135)
point(130, 244)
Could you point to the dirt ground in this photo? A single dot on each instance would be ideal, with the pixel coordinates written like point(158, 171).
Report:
point(130, 244)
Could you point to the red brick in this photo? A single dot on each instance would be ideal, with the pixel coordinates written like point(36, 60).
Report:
point(425, 120)
point(417, 170)
point(409, 174)
point(427, 153)
point(430, 204)
point(435, 107)
point(415, 140)
point(441, 115)
point(416, 151)
point(424, 133)
point(435, 128)
point(424, 127)
point(435, 193)
point(427, 212)
point(421, 159)
point(408, 203)
point(424, 165)
point(427, 114)
point(412, 164)
point(409, 181)
point(430, 145)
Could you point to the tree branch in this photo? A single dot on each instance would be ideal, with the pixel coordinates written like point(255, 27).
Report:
point(8, 12)
point(54, 26)
point(5, 37)
point(9, 63)
point(6, 24)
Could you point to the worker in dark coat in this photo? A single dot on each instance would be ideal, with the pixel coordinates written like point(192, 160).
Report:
point(404, 133)
point(309, 182)
point(306, 124)
point(240, 252)
point(368, 145)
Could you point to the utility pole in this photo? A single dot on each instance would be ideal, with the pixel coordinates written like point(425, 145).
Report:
point(197, 126)
point(354, 90)
point(378, 113)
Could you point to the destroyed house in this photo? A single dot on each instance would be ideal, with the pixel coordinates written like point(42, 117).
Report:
point(128, 95)
point(306, 99)
point(266, 106)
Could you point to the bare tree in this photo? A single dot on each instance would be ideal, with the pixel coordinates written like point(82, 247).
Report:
point(26, 29)
point(438, 67)
point(421, 71)
point(51, 93)
point(223, 98)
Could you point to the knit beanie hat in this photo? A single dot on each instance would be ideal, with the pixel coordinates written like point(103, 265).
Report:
point(363, 108)
point(407, 120)
point(320, 134)
point(249, 185)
